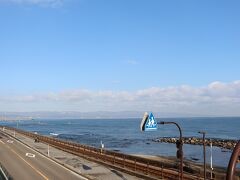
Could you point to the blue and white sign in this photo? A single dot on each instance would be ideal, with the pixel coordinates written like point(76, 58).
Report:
point(151, 123)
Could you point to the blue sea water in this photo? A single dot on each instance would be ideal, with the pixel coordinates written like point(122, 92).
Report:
point(124, 135)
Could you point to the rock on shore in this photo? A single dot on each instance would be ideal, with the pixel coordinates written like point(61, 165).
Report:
point(222, 143)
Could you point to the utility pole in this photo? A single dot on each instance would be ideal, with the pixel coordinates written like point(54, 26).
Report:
point(204, 153)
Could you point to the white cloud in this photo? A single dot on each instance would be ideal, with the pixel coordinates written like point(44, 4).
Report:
point(217, 98)
point(43, 3)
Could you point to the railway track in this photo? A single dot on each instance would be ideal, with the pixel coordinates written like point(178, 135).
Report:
point(141, 167)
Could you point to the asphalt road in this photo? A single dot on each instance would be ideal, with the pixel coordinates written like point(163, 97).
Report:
point(23, 163)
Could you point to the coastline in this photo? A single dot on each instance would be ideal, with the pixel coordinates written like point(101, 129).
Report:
point(130, 140)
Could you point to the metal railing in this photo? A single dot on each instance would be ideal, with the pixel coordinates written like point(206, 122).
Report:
point(142, 167)
point(4, 173)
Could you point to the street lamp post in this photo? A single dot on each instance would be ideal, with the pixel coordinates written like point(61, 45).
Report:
point(204, 152)
point(179, 146)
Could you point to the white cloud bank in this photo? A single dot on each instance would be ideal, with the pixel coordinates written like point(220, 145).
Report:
point(42, 3)
point(215, 99)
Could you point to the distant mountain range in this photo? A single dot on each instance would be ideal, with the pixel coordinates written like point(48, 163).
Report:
point(86, 115)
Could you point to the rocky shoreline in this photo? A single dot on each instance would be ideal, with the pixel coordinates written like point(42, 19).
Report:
point(222, 143)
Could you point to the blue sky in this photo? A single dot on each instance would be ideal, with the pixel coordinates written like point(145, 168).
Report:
point(54, 46)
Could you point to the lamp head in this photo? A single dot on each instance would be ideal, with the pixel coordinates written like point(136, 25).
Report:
point(143, 122)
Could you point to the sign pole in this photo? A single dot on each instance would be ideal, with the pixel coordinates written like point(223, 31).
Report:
point(211, 160)
point(48, 150)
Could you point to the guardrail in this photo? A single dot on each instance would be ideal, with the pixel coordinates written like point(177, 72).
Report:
point(142, 167)
point(4, 173)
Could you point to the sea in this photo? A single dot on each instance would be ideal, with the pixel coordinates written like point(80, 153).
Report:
point(124, 135)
